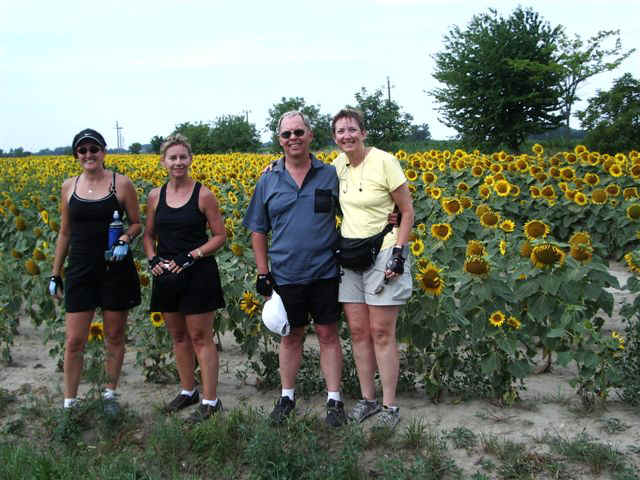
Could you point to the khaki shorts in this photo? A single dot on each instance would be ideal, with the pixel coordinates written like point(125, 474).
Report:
point(369, 287)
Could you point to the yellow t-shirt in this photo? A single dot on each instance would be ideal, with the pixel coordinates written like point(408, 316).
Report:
point(365, 194)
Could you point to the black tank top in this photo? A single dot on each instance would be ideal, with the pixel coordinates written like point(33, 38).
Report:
point(89, 221)
point(182, 229)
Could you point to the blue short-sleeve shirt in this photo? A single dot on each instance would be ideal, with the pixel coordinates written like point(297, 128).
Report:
point(302, 222)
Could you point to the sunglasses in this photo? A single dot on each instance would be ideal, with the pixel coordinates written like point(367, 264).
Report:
point(298, 132)
point(92, 149)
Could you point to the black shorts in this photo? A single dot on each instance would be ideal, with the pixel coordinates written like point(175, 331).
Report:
point(96, 283)
point(318, 299)
point(194, 290)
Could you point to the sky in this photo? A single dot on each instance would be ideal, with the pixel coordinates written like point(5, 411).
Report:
point(152, 64)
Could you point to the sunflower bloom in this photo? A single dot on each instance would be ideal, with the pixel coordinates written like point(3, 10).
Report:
point(417, 247)
point(429, 177)
point(20, 223)
point(581, 253)
point(633, 211)
point(484, 191)
point(490, 219)
point(436, 193)
point(237, 250)
point(249, 303)
point(32, 267)
point(452, 206)
point(476, 265)
point(613, 190)
point(411, 174)
point(633, 263)
point(630, 192)
point(38, 255)
point(547, 255)
point(537, 149)
point(599, 196)
point(497, 318)
point(475, 248)
point(536, 229)
point(514, 323)
point(96, 331)
point(525, 249)
point(580, 238)
point(591, 179)
point(580, 199)
point(507, 226)
point(615, 170)
point(503, 247)
point(157, 319)
point(619, 338)
point(441, 231)
point(502, 188)
point(430, 281)
point(44, 215)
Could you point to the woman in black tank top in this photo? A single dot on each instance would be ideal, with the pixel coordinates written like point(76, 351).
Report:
point(87, 206)
point(186, 282)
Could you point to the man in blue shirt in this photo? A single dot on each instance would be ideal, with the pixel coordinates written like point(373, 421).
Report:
point(296, 201)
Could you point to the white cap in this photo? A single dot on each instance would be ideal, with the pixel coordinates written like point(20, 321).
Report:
point(274, 316)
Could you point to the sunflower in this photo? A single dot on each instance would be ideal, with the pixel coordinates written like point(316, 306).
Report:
point(475, 248)
point(580, 238)
point(619, 338)
point(429, 177)
point(554, 172)
point(466, 201)
point(490, 219)
point(476, 265)
point(232, 198)
point(630, 192)
point(422, 264)
point(537, 149)
point(417, 247)
point(547, 255)
point(157, 319)
point(436, 193)
point(599, 196)
point(580, 199)
point(534, 191)
point(613, 190)
point(249, 303)
point(581, 253)
point(497, 318)
point(548, 192)
point(635, 171)
point(441, 231)
point(568, 174)
point(514, 323)
point(477, 171)
point(633, 262)
point(525, 249)
point(482, 209)
point(32, 267)
point(484, 191)
point(615, 170)
point(462, 186)
point(411, 174)
point(502, 188)
point(44, 215)
point(452, 205)
point(96, 331)
point(514, 191)
point(591, 179)
point(430, 281)
point(237, 250)
point(633, 211)
point(536, 229)
point(20, 223)
point(38, 255)
point(507, 226)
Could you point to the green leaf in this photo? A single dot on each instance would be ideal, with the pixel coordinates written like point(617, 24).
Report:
point(556, 333)
point(551, 283)
point(564, 358)
point(526, 289)
point(489, 364)
point(519, 368)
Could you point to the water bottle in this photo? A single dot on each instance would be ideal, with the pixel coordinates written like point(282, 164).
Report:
point(115, 229)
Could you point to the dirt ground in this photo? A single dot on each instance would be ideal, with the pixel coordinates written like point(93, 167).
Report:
point(549, 403)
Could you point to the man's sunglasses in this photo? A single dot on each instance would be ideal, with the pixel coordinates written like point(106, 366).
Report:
point(92, 149)
point(298, 132)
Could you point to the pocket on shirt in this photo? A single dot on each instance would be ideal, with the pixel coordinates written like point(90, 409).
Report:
point(323, 201)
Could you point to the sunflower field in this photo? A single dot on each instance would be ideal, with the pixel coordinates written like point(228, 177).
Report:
point(510, 259)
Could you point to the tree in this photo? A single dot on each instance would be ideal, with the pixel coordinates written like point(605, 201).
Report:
point(384, 122)
point(582, 60)
point(612, 118)
point(233, 133)
point(135, 147)
point(419, 133)
point(320, 124)
point(198, 134)
point(156, 142)
point(501, 78)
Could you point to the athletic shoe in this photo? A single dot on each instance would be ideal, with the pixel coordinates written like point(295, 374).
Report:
point(335, 414)
point(364, 409)
point(204, 412)
point(388, 418)
point(181, 401)
point(283, 408)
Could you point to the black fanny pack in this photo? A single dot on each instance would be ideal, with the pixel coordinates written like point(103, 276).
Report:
point(359, 254)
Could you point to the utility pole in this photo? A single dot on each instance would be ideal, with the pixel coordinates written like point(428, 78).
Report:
point(119, 138)
point(246, 115)
point(388, 89)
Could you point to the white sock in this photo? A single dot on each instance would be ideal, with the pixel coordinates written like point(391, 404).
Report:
point(188, 392)
point(108, 394)
point(213, 403)
point(289, 392)
point(70, 402)
point(334, 396)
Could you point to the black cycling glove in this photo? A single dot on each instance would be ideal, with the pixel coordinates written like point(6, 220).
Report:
point(396, 262)
point(264, 284)
point(184, 260)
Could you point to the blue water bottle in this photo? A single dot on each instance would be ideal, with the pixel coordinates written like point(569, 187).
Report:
point(115, 229)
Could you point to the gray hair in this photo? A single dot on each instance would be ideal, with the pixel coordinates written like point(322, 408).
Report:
point(294, 113)
point(175, 139)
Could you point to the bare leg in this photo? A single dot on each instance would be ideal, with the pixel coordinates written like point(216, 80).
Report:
point(76, 332)
point(383, 331)
point(114, 326)
point(330, 355)
point(200, 328)
point(182, 348)
point(290, 356)
point(363, 350)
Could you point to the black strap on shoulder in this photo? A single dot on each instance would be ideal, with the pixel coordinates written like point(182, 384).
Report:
point(75, 185)
point(112, 188)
